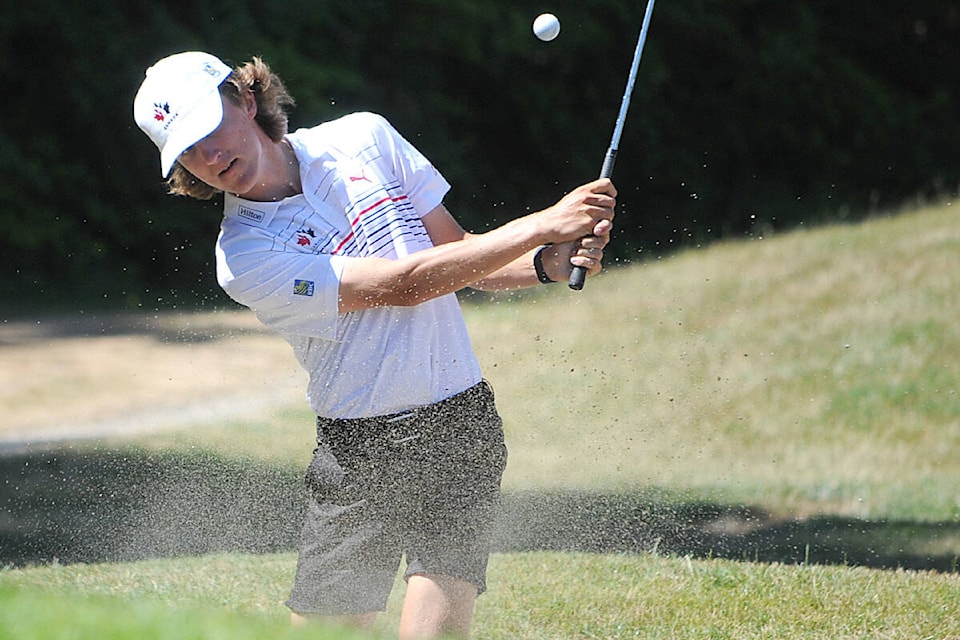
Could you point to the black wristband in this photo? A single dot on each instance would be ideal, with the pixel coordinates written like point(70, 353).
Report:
point(538, 266)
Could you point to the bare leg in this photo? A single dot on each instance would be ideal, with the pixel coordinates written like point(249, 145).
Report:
point(437, 605)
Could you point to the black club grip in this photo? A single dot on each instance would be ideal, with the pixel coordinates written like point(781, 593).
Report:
point(579, 275)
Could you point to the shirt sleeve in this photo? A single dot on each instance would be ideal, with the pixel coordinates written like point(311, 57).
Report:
point(425, 186)
point(293, 294)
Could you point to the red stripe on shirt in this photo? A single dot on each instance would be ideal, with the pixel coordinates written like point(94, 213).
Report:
point(355, 221)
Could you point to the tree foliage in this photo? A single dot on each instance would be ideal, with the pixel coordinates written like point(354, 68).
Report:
point(745, 113)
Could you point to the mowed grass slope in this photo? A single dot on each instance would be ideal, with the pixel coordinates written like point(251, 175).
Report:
point(811, 374)
point(814, 372)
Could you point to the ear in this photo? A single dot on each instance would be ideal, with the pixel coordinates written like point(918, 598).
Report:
point(249, 104)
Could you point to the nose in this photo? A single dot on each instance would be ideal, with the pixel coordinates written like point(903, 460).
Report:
point(207, 150)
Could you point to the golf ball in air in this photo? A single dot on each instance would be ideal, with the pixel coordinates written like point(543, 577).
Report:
point(546, 27)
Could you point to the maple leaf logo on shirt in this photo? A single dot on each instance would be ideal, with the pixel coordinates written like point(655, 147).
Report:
point(305, 237)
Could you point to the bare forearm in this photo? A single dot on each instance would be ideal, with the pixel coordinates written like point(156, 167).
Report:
point(517, 274)
point(493, 260)
point(439, 270)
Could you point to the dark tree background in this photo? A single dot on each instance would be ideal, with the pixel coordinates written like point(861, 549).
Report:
point(746, 113)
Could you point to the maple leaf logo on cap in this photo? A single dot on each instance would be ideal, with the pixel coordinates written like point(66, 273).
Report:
point(161, 111)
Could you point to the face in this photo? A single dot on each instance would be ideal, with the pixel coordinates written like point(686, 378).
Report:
point(229, 159)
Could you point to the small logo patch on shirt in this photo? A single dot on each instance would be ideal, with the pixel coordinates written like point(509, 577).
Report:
point(250, 214)
point(303, 287)
point(305, 236)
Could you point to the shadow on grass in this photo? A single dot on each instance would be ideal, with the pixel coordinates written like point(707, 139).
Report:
point(95, 506)
point(640, 522)
point(163, 327)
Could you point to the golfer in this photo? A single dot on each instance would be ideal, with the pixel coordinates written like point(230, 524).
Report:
point(337, 238)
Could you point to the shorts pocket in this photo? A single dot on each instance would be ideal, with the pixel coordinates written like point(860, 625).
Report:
point(324, 476)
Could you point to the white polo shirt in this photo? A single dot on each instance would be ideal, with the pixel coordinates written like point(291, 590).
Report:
point(365, 189)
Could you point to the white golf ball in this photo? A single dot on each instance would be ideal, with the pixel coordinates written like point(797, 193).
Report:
point(546, 27)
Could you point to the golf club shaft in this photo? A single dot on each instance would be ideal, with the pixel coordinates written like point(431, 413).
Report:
point(579, 274)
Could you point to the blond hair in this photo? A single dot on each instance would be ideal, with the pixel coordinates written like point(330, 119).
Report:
point(273, 102)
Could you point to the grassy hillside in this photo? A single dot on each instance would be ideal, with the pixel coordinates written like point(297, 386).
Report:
point(812, 372)
point(809, 373)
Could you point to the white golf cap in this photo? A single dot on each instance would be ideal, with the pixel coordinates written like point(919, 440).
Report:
point(179, 104)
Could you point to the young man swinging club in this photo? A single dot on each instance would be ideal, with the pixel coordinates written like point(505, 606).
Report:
point(337, 238)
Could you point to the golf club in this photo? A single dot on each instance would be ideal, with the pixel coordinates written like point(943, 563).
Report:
point(579, 274)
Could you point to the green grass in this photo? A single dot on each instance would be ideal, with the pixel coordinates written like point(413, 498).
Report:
point(533, 596)
point(810, 378)
point(611, 596)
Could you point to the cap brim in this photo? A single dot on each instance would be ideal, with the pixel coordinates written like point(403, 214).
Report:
point(192, 127)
